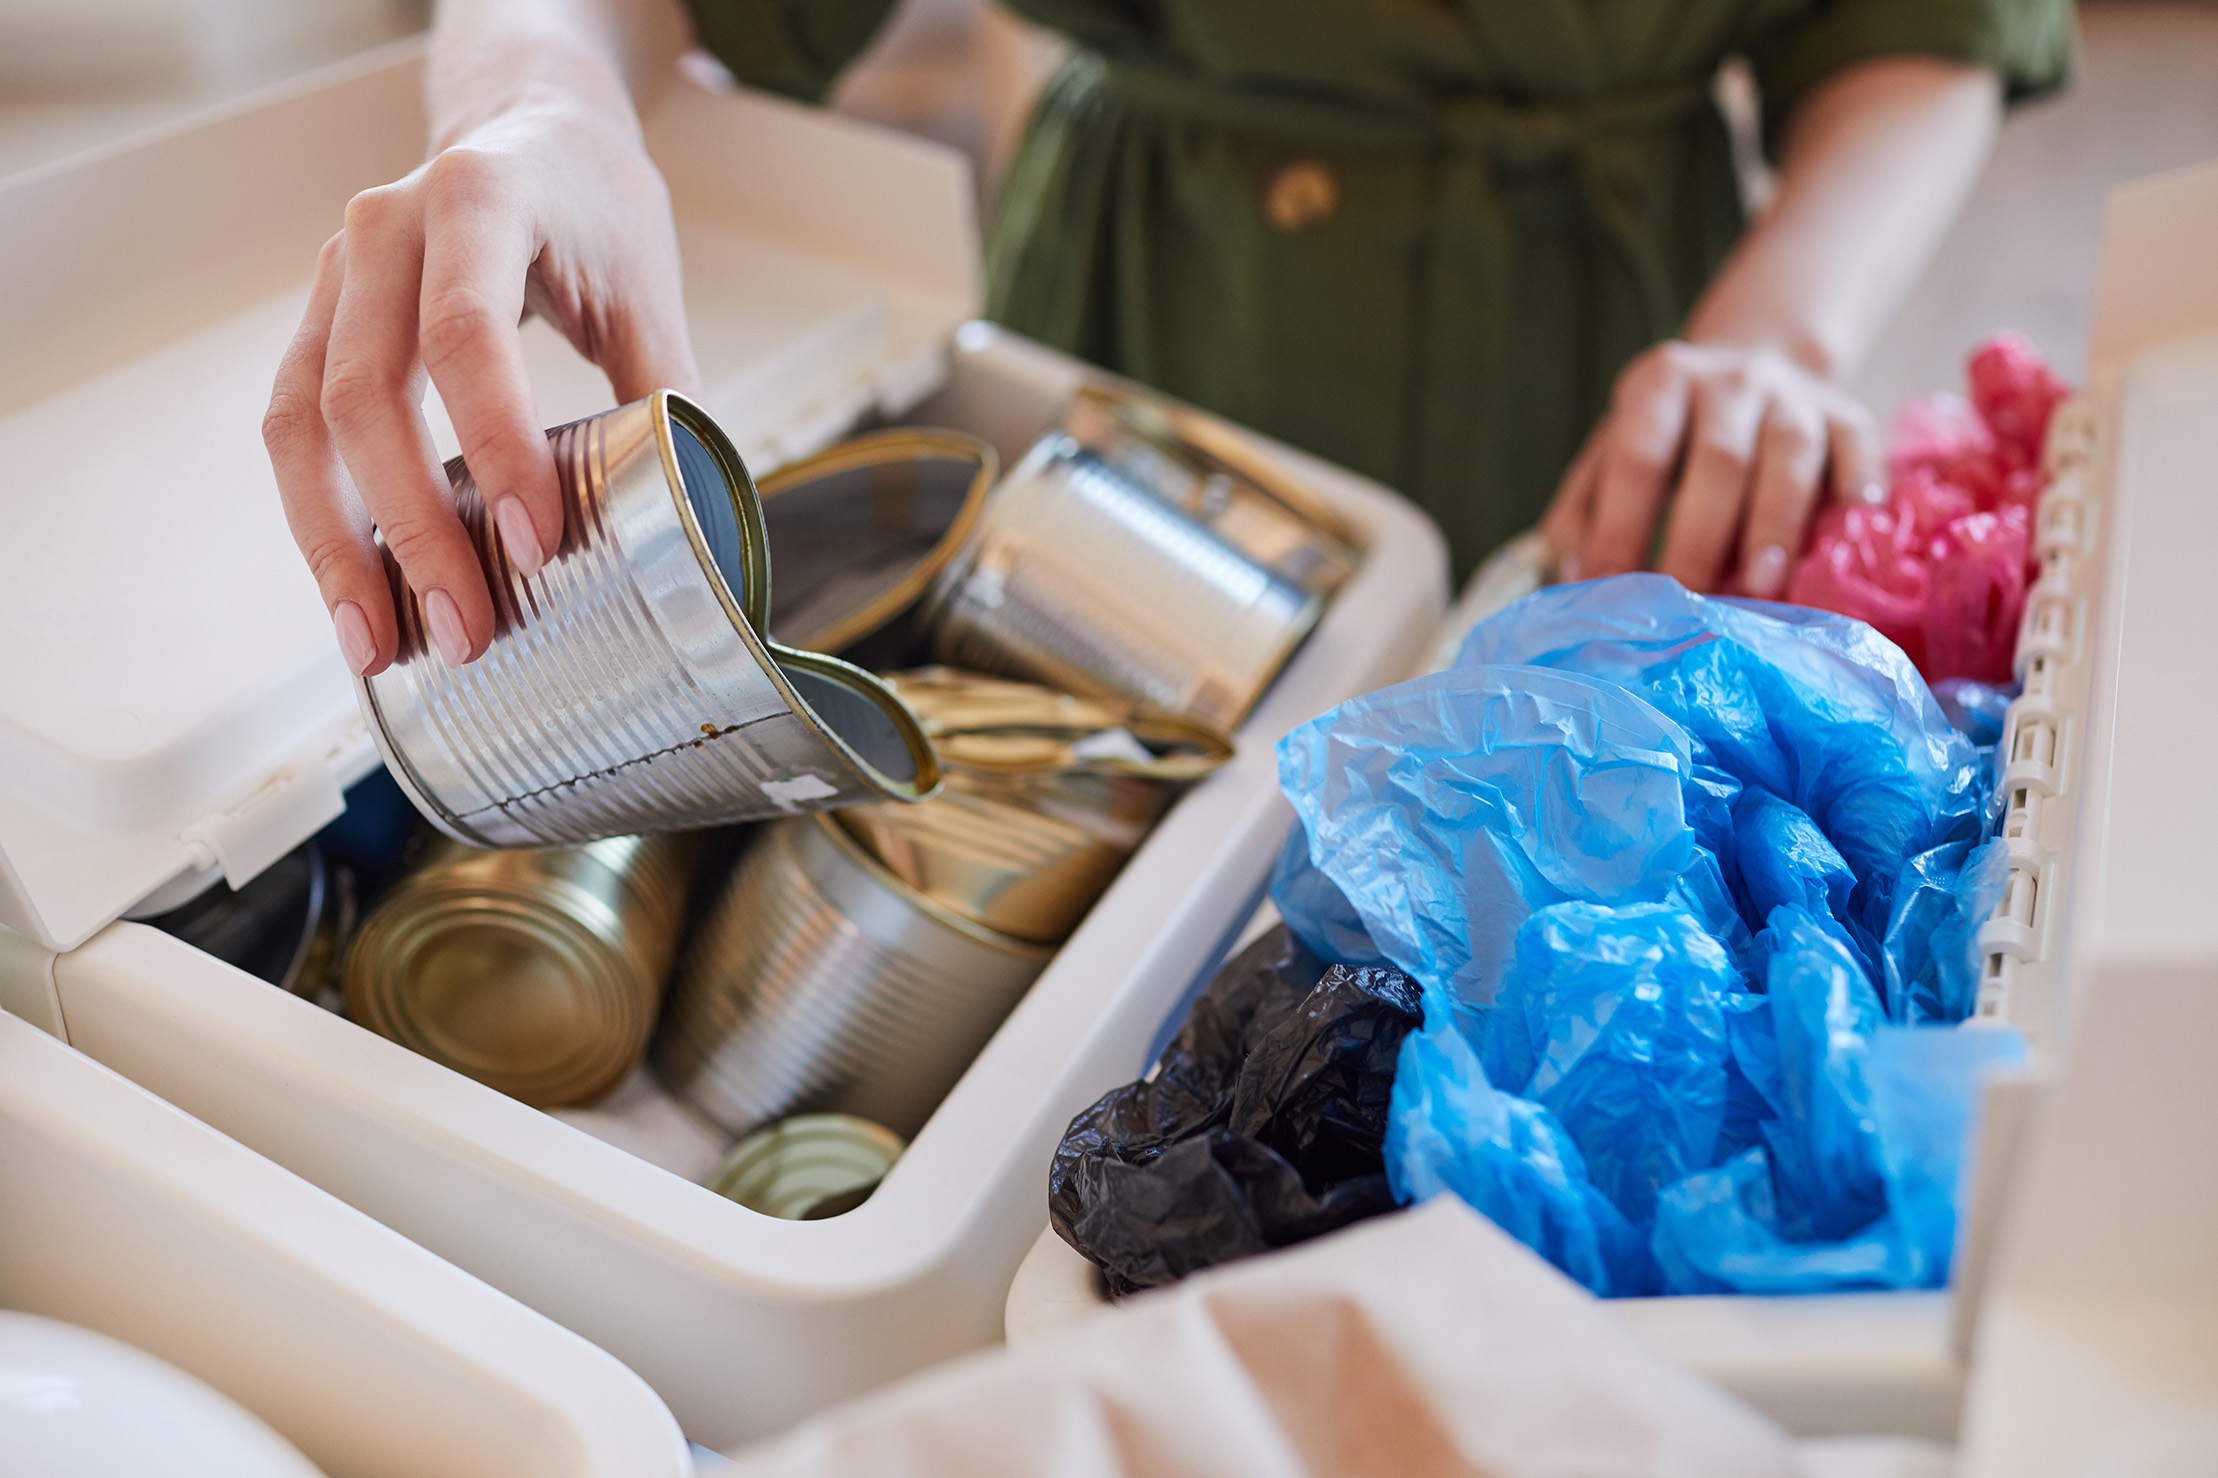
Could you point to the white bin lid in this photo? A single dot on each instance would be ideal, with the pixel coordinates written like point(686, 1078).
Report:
point(172, 703)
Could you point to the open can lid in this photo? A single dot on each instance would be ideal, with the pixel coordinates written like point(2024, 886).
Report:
point(172, 705)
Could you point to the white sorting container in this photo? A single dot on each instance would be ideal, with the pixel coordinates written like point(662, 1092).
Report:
point(122, 1214)
point(172, 706)
point(2095, 1343)
point(2100, 1322)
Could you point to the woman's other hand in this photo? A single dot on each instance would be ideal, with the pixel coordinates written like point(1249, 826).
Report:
point(1740, 445)
point(538, 197)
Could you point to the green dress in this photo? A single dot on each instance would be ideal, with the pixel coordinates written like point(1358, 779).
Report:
point(1417, 237)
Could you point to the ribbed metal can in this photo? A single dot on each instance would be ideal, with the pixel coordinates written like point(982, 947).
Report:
point(537, 973)
point(820, 982)
point(628, 687)
point(1085, 578)
point(1201, 465)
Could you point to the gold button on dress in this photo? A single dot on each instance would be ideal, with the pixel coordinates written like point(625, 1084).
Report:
point(1302, 194)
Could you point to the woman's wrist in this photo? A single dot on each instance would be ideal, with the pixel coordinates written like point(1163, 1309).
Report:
point(1760, 302)
point(544, 76)
point(1796, 344)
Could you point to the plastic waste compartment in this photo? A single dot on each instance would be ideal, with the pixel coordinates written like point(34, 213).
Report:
point(370, 1355)
point(173, 709)
point(2080, 1300)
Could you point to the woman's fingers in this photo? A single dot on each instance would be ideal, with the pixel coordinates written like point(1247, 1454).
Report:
point(1750, 436)
point(1647, 423)
point(371, 386)
point(1790, 466)
point(1713, 489)
point(647, 347)
point(1565, 522)
point(1853, 446)
point(327, 520)
point(478, 250)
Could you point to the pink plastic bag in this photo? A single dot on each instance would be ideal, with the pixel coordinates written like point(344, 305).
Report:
point(1933, 433)
point(1975, 593)
point(2016, 394)
point(1941, 568)
point(1867, 563)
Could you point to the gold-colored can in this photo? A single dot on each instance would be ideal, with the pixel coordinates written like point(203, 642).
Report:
point(1045, 796)
point(537, 973)
point(808, 1167)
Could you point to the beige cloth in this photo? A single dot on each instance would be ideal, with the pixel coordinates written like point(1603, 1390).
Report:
point(1422, 1343)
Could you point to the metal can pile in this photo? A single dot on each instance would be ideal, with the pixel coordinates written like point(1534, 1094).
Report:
point(1122, 599)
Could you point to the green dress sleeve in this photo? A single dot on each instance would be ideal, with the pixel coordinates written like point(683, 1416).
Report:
point(2027, 42)
point(795, 47)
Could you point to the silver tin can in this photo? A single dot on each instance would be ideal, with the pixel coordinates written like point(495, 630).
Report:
point(822, 983)
point(1203, 466)
point(1086, 579)
point(628, 687)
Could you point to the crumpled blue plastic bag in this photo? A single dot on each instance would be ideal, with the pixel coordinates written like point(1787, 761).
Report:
point(1931, 954)
point(1445, 810)
point(1818, 709)
point(1613, 1019)
point(1718, 1232)
point(1313, 906)
point(1926, 1088)
point(1569, 858)
point(1450, 1129)
point(1821, 1136)
point(1976, 709)
point(1782, 858)
point(1723, 1230)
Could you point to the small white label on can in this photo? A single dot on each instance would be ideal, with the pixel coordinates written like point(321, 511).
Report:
point(789, 794)
point(1112, 744)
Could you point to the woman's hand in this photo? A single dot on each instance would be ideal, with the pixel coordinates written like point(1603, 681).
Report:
point(542, 199)
point(1742, 442)
point(1744, 423)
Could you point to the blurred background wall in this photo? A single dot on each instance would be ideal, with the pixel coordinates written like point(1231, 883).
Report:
point(76, 73)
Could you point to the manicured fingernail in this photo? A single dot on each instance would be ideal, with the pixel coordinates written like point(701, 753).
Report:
point(520, 537)
point(355, 642)
point(1567, 568)
point(1767, 572)
point(1872, 493)
point(446, 628)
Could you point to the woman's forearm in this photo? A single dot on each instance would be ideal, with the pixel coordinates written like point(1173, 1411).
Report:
point(1877, 161)
point(489, 57)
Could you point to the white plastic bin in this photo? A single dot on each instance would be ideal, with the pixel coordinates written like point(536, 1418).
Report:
point(2095, 1346)
point(2096, 1337)
point(173, 705)
point(119, 1213)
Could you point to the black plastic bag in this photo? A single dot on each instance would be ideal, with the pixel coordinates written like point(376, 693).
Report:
point(1264, 1124)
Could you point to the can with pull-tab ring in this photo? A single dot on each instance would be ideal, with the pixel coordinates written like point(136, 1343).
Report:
point(629, 686)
